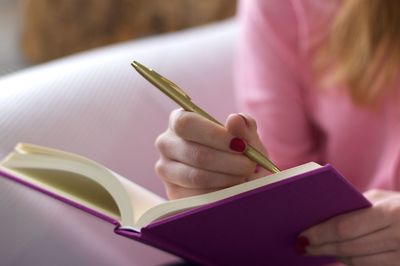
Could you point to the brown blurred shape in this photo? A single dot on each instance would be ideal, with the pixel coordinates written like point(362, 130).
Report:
point(55, 28)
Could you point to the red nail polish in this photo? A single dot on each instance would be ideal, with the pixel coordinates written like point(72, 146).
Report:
point(237, 145)
point(301, 244)
point(258, 167)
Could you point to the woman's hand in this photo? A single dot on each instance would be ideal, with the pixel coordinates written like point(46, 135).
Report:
point(198, 156)
point(364, 237)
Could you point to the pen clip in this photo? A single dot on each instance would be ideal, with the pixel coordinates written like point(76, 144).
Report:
point(172, 85)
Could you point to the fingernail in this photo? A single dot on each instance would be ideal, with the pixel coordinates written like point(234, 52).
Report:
point(237, 144)
point(244, 119)
point(258, 167)
point(301, 244)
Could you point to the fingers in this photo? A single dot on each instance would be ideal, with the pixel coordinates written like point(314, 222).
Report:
point(382, 259)
point(365, 237)
point(378, 195)
point(241, 125)
point(348, 226)
point(199, 156)
point(374, 243)
point(184, 176)
point(193, 127)
point(204, 157)
point(245, 127)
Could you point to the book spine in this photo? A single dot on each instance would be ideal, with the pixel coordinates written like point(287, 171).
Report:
point(147, 237)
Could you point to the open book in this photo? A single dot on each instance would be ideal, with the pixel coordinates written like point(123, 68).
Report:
point(290, 201)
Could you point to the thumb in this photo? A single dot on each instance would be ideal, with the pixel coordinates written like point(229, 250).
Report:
point(244, 126)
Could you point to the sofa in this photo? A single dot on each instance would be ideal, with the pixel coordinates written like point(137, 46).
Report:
point(95, 104)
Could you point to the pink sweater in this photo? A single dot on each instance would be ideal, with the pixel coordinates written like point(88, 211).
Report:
point(297, 121)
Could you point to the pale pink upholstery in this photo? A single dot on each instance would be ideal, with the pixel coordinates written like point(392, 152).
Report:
point(96, 105)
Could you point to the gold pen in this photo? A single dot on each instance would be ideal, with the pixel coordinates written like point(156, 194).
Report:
point(180, 97)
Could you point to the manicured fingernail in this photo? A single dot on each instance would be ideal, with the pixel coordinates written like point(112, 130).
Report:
point(301, 244)
point(237, 144)
point(244, 119)
point(258, 167)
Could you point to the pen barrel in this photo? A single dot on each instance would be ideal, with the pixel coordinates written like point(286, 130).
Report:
point(181, 98)
point(256, 156)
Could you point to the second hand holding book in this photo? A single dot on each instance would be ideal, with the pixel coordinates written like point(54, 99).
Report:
point(248, 224)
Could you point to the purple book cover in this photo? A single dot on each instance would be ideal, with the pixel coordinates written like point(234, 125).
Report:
point(258, 227)
point(252, 228)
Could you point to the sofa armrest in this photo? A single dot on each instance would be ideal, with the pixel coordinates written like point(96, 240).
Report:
point(96, 105)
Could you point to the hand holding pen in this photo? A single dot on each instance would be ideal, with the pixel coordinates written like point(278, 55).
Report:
point(197, 156)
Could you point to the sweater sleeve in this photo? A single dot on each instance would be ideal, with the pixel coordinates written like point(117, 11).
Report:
point(269, 80)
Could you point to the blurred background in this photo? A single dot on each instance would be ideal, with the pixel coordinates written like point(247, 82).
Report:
point(36, 31)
